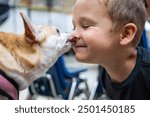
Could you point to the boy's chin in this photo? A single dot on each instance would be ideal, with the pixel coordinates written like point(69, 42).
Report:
point(81, 58)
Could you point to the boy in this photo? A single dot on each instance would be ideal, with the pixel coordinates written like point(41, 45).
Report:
point(107, 32)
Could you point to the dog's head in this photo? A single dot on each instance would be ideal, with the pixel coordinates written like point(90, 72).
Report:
point(31, 54)
point(49, 40)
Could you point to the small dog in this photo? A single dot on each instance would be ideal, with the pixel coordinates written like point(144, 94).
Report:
point(28, 56)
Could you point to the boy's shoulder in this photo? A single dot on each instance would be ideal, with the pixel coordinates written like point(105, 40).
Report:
point(141, 69)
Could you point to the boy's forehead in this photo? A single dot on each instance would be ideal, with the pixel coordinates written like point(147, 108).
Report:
point(92, 4)
point(89, 5)
point(98, 1)
point(89, 9)
point(86, 1)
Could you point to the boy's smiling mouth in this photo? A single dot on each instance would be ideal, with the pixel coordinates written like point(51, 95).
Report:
point(80, 47)
point(77, 45)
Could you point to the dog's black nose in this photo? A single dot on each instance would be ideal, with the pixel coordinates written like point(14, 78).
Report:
point(57, 30)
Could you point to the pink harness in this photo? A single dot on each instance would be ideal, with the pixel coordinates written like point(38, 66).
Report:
point(8, 89)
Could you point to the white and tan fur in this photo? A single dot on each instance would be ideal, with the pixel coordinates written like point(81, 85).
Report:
point(25, 57)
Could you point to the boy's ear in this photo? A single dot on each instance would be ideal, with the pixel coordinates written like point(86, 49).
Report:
point(128, 33)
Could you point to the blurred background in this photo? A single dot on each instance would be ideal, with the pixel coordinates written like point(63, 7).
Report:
point(50, 12)
point(79, 84)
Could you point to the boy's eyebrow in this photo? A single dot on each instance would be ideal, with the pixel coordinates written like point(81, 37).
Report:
point(87, 19)
point(84, 19)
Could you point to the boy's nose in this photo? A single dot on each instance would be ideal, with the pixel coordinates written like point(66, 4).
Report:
point(75, 35)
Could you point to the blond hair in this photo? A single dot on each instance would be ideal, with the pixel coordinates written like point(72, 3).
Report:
point(123, 12)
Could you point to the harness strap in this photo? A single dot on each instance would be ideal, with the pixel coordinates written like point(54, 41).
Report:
point(8, 88)
point(9, 79)
point(5, 94)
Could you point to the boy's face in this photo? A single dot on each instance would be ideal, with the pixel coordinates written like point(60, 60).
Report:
point(94, 40)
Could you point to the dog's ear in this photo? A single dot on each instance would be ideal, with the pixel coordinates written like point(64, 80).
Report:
point(30, 31)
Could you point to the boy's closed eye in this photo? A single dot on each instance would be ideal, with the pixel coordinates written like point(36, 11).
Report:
point(85, 26)
point(84, 23)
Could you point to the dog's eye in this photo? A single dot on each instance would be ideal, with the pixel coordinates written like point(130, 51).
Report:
point(57, 31)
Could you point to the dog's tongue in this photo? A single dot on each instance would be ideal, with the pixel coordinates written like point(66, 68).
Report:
point(71, 39)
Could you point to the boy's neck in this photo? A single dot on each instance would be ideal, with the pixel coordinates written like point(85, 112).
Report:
point(119, 72)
